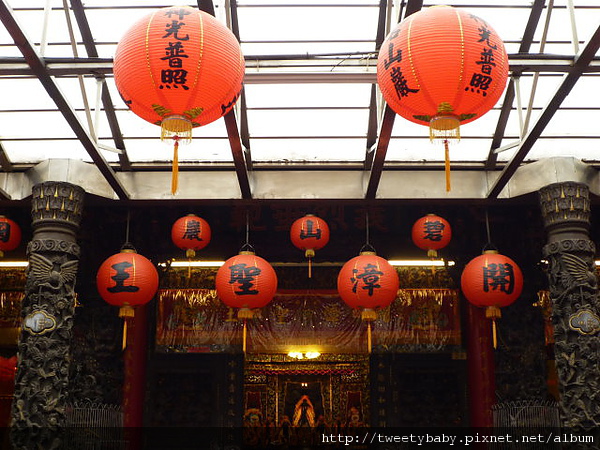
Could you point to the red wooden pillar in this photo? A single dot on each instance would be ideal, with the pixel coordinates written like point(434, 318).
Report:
point(134, 382)
point(480, 360)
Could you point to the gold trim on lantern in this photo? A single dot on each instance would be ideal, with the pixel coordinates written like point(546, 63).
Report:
point(176, 125)
point(493, 312)
point(368, 315)
point(126, 311)
point(245, 313)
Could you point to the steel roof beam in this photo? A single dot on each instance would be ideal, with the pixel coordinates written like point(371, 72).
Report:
point(376, 160)
point(351, 71)
point(385, 134)
point(38, 67)
point(107, 103)
point(509, 96)
point(239, 159)
point(373, 110)
point(243, 110)
point(579, 66)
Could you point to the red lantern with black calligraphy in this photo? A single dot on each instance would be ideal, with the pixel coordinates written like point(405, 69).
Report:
point(247, 282)
point(179, 68)
point(493, 281)
point(431, 233)
point(127, 279)
point(10, 235)
point(368, 282)
point(442, 67)
point(309, 233)
point(190, 233)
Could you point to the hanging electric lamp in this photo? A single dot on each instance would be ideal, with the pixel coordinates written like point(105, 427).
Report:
point(127, 279)
point(10, 235)
point(368, 282)
point(442, 67)
point(190, 233)
point(179, 68)
point(492, 281)
point(431, 233)
point(247, 282)
point(309, 233)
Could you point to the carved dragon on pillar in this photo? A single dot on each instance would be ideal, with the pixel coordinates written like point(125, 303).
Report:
point(38, 411)
point(573, 289)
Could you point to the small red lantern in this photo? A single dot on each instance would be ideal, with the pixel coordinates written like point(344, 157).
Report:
point(247, 282)
point(190, 233)
point(179, 68)
point(431, 233)
point(127, 279)
point(493, 281)
point(309, 233)
point(368, 282)
point(470, 83)
point(10, 235)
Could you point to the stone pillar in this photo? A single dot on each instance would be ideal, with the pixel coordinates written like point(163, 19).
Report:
point(38, 411)
point(574, 297)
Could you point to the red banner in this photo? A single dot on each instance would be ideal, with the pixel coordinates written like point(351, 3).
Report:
point(195, 320)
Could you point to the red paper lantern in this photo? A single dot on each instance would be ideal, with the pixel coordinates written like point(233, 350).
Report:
point(246, 281)
point(309, 233)
point(492, 281)
point(442, 67)
point(431, 233)
point(368, 282)
point(190, 233)
point(127, 279)
point(10, 235)
point(179, 68)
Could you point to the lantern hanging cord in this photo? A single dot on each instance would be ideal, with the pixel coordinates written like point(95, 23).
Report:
point(488, 245)
point(127, 245)
point(367, 247)
point(247, 247)
point(247, 228)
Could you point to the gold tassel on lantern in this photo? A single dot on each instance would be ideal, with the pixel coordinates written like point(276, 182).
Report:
point(445, 125)
point(244, 314)
point(369, 315)
point(310, 254)
point(493, 312)
point(179, 129)
point(127, 313)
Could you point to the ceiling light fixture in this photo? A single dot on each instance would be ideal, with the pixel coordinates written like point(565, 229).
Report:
point(305, 355)
point(14, 263)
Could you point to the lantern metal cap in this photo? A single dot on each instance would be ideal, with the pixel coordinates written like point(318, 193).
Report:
point(368, 253)
point(128, 248)
point(247, 252)
point(490, 252)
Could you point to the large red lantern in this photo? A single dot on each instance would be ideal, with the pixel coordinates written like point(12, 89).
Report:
point(190, 233)
point(127, 279)
point(431, 233)
point(247, 282)
point(493, 281)
point(368, 282)
point(442, 67)
point(179, 68)
point(309, 233)
point(10, 235)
